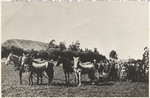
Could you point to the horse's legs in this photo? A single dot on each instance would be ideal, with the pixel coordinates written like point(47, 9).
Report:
point(89, 75)
point(37, 79)
point(31, 77)
point(76, 77)
point(41, 76)
point(29, 80)
point(68, 78)
point(49, 78)
point(20, 75)
point(79, 78)
point(92, 77)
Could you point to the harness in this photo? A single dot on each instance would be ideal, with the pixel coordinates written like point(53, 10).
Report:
point(40, 65)
point(39, 61)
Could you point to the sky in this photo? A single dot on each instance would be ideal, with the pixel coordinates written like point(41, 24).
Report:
point(119, 26)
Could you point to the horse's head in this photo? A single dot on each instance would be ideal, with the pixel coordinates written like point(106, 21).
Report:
point(59, 61)
point(76, 61)
point(26, 60)
point(8, 60)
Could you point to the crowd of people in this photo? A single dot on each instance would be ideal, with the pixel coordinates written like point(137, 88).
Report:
point(135, 71)
point(123, 71)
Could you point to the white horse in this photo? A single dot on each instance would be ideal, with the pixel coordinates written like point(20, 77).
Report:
point(83, 68)
point(17, 64)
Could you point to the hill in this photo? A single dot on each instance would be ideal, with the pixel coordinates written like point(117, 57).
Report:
point(25, 44)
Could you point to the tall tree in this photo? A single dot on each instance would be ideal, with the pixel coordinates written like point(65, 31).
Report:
point(113, 54)
point(51, 44)
point(146, 56)
point(87, 50)
point(75, 46)
point(96, 51)
point(62, 46)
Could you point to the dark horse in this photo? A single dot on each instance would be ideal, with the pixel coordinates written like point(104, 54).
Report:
point(38, 68)
point(17, 64)
point(67, 67)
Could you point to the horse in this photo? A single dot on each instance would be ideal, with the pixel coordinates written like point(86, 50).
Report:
point(83, 68)
point(67, 67)
point(38, 67)
point(17, 64)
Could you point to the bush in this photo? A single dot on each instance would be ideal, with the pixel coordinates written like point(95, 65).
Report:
point(53, 52)
point(17, 51)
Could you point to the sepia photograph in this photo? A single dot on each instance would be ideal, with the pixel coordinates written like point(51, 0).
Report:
point(74, 49)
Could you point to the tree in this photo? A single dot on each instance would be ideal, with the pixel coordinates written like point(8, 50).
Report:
point(62, 46)
point(43, 54)
point(87, 50)
point(81, 50)
point(33, 53)
point(113, 54)
point(131, 60)
point(75, 46)
point(95, 51)
point(51, 44)
point(146, 56)
point(5, 51)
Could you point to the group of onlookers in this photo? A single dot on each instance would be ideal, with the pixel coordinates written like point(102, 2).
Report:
point(123, 71)
point(137, 72)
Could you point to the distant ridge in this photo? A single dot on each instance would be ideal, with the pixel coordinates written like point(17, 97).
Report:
point(25, 44)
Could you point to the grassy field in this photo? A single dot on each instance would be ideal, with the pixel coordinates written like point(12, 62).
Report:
point(11, 87)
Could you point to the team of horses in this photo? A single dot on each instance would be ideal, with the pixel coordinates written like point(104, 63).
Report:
point(35, 67)
point(27, 63)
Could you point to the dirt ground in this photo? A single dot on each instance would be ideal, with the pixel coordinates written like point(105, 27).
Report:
point(11, 88)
